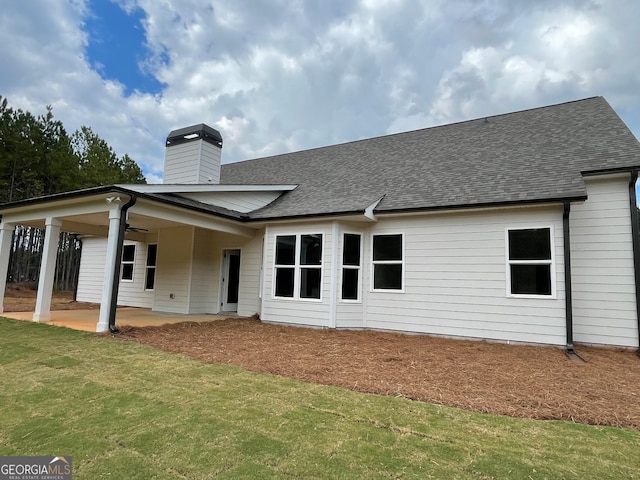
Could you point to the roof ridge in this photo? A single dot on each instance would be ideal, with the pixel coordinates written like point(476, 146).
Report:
point(389, 135)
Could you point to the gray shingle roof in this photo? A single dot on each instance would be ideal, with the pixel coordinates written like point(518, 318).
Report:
point(193, 204)
point(529, 156)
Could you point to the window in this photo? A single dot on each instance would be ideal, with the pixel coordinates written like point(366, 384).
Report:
point(388, 262)
point(530, 261)
point(298, 266)
point(128, 258)
point(351, 246)
point(310, 265)
point(285, 265)
point(150, 277)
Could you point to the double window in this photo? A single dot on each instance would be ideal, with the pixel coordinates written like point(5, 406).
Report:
point(351, 266)
point(530, 262)
point(128, 260)
point(298, 266)
point(388, 262)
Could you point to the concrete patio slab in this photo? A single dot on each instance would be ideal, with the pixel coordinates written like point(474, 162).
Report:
point(87, 320)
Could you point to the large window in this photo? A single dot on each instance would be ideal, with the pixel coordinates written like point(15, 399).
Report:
point(128, 260)
point(351, 265)
point(150, 277)
point(298, 266)
point(388, 262)
point(530, 261)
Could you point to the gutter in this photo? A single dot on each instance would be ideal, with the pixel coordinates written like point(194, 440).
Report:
point(118, 258)
point(568, 300)
point(635, 234)
point(117, 189)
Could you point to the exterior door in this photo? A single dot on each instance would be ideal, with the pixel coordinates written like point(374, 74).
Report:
point(230, 280)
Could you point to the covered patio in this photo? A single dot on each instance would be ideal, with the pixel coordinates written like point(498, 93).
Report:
point(87, 320)
point(116, 213)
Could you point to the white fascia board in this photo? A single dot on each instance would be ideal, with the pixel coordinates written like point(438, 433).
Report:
point(184, 216)
point(84, 205)
point(198, 188)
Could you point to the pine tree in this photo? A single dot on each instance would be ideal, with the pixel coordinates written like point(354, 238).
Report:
point(38, 157)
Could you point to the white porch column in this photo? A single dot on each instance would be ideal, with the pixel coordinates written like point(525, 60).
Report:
point(47, 270)
point(6, 231)
point(109, 269)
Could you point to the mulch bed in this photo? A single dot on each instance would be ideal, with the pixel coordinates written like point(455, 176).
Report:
point(516, 380)
point(22, 298)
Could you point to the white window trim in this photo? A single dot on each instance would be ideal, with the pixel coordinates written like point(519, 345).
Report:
point(148, 267)
point(297, 267)
point(128, 262)
point(351, 267)
point(387, 262)
point(551, 262)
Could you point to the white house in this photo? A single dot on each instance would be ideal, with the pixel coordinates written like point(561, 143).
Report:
point(516, 227)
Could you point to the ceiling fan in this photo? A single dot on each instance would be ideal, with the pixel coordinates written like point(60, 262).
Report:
point(129, 228)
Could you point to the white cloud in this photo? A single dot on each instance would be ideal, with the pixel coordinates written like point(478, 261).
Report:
point(276, 76)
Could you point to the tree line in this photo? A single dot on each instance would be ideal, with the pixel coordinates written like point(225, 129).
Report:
point(38, 157)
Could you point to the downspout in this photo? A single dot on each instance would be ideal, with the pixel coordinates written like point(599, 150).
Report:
point(116, 275)
point(567, 276)
point(635, 234)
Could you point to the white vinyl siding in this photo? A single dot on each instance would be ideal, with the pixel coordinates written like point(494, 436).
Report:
point(209, 171)
point(455, 279)
point(250, 270)
point(604, 304)
point(91, 275)
point(188, 270)
point(173, 270)
point(192, 162)
point(239, 201)
point(204, 273)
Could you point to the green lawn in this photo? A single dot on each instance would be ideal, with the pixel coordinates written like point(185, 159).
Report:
point(126, 411)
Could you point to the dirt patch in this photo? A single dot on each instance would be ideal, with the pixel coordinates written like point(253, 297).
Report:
point(515, 380)
point(22, 298)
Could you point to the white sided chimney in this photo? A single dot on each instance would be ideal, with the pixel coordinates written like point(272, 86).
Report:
point(192, 155)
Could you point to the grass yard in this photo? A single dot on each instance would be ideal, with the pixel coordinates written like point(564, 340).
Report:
point(125, 410)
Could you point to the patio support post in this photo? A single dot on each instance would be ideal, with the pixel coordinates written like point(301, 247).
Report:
point(109, 269)
point(6, 232)
point(47, 270)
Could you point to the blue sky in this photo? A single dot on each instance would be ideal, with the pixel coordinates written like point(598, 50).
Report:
point(116, 46)
point(280, 75)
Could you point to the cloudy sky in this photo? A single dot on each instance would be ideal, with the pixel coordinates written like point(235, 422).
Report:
point(283, 75)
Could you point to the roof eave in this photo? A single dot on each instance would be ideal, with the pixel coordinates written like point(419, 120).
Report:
point(119, 189)
point(442, 208)
point(609, 171)
point(485, 205)
point(67, 195)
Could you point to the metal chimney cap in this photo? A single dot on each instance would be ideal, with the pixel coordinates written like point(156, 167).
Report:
point(194, 132)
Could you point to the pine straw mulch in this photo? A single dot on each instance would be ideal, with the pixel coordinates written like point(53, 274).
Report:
point(22, 298)
point(516, 380)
